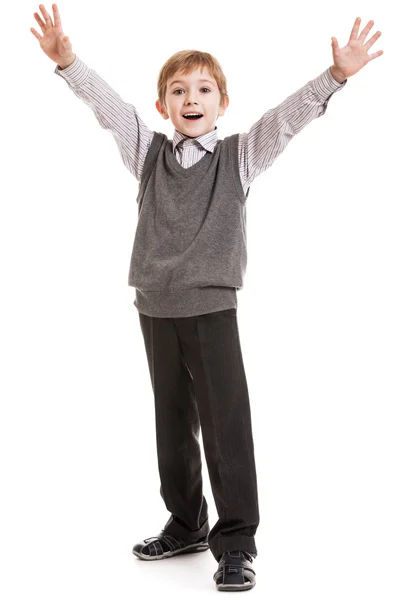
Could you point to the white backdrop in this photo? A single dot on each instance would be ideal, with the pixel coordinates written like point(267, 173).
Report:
point(318, 316)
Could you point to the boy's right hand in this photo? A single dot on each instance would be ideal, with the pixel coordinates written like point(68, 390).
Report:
point(53, 42)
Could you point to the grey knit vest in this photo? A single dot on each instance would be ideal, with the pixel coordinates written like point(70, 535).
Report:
point(189, 254)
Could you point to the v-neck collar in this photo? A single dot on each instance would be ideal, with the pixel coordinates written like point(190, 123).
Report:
point(207, 140)
point(199, 165)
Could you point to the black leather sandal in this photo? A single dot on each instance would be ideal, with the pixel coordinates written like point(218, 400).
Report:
point(235, 572)
point(165, 545)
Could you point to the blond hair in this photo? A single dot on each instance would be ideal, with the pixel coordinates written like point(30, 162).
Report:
point(185, 62)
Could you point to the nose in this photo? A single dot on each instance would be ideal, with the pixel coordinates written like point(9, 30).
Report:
point(190, 98)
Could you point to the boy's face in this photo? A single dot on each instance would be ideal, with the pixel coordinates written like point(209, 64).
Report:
point(190, 94)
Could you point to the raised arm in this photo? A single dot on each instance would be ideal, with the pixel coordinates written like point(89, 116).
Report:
point(269, 136)
point(132, 136)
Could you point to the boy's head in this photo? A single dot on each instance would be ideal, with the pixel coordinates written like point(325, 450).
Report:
point(181, 90)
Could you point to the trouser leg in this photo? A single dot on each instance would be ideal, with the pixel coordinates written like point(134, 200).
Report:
point(211, 347)
point(177, 427)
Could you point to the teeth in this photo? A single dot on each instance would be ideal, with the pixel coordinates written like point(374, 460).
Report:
point(190, 114)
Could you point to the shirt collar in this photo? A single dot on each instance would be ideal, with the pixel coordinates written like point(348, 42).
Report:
point(207, 140)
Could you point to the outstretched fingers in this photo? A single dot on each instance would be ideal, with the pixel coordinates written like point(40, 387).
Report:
point(364, 33)
point(46, 16)
point(47, 23)
point(362, 37)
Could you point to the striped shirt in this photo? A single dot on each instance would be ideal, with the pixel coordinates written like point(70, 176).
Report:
point(258, 148)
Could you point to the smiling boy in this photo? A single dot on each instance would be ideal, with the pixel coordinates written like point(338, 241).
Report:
point(188, 261)
point(199, 93)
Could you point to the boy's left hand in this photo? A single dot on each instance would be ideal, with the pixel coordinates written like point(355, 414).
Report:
point(353, 57)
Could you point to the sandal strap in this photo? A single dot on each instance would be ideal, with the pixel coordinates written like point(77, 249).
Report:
point(234, 569)
point(154, 545)
point(155, 549)
point(173, 542)
point(234, 574)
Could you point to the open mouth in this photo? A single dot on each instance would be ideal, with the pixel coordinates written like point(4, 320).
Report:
point(193, 117)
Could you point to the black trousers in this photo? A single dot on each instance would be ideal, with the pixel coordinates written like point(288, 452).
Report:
point(198, 379)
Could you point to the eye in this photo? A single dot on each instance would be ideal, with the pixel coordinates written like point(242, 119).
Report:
point(180, 90)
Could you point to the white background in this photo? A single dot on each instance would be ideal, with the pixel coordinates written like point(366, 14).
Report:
point(318, 316)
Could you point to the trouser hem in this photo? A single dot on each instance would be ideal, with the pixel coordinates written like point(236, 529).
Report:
point(175, 528)
point(238, 542)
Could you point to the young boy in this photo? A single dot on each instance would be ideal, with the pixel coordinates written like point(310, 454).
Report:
point(188, 260)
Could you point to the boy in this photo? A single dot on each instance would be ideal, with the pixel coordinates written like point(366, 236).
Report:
point(188, 260)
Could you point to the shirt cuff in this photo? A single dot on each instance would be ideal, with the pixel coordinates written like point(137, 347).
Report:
point(325, 84)
point(76, 73)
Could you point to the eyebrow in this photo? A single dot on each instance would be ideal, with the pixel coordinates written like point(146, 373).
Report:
point(180, 81)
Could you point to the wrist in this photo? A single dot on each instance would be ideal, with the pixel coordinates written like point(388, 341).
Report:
point(63, 64)
point(336, 74)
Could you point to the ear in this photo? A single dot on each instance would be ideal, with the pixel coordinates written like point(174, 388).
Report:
point(161, 110)
point(224, 106)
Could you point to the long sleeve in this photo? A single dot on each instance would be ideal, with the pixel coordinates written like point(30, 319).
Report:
point(270, 135)
point(132, 136)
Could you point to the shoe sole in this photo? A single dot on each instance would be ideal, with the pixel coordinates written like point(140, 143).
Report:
point(186, 550)
point(226, 587)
